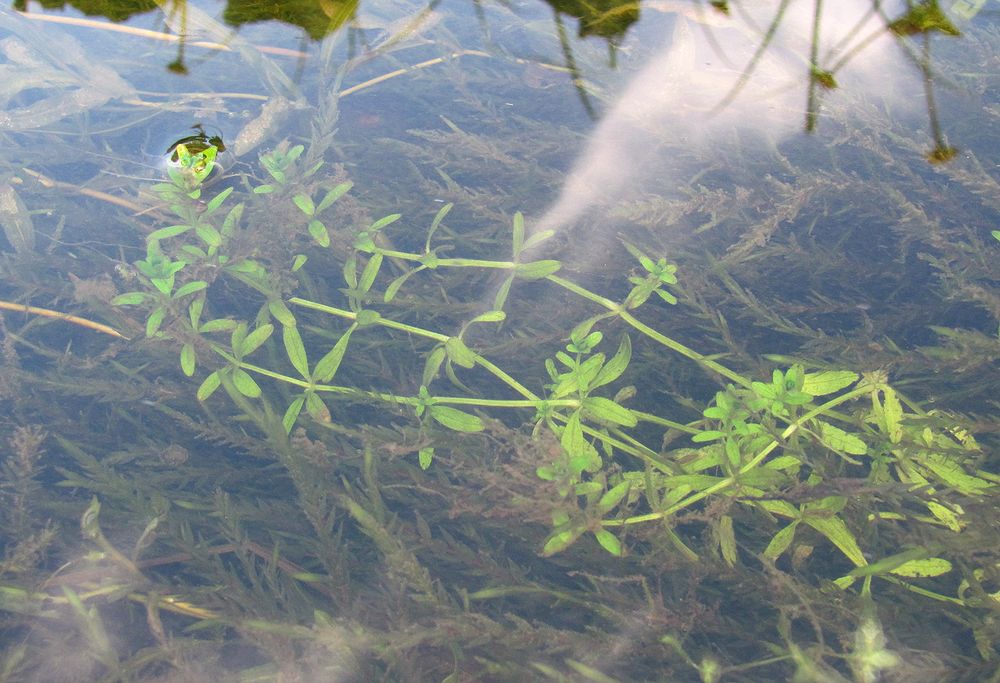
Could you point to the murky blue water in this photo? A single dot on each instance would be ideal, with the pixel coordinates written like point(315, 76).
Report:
point(430, 507)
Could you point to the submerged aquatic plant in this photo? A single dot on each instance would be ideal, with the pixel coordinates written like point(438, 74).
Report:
point(414, 478)
point(807, 463)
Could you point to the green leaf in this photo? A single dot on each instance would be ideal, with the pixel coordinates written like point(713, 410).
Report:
point(828, 382)
point(425, 456)
point(489, 317)
point(292, 414)
point(296, 350)
point(208, 235)
point(951, 473)
point(839, 440)
point(208, 386)
point(826, 507)
point(946, 515)
point(666, 296)
point(218, 325)
point(608, 541)
point(614, 368)
point(168, 232)
point(294, 153)
point(319, 233)
point(195, 251)
point(560, 541)
point(250, 267)
point(328, 365)
point(459, 353)
point(518, 233)
point(783, 462)
point(732, 449)
point(893, 562)
point(588, 488)
point(838, 533)
point(536, 270)
point(305, 204)
point(317, 409)
point(281, 312)
point(194, 311)
point(333, 195)
point(309, 577)
point(545, 473)
point(298, 262)
point(780, 507)
point(367, 317)
point(433, 364)
point(779, 544)
point(932, 566)
point(707, 435)
point(245, 384)
point(190, 288)
point(572, 439)
point(129, 299)
point(15, 219)
point(384, 221)
point(370, 272)
point(442, 212)
point(537, 238)
point(430, 260)
point(364, 242)
point(455, 419)
point(395, 285)
point(612, 497)
point(608, 411)
point(502, 292)
point(188, 360)
point(154, 321)
point(254, 340)
point(890, 414)
point(350, 271)
point(216, 201)
point(163, 284)
point(232, 219)
point(264, 189)
point(237, 337)
point(727, 540)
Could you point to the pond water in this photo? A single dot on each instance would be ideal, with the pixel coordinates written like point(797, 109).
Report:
point(500, 341)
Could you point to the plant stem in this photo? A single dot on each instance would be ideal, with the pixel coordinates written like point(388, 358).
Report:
point(619, 310)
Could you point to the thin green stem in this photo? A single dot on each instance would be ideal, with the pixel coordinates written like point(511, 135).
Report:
point(530, 402)
point(447, 262)
point(663, 422)
point(420, 332)
point(471, 262)
point(619, 310)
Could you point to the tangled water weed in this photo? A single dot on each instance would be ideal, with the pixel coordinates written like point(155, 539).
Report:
point(383, 460)
point(799, 468)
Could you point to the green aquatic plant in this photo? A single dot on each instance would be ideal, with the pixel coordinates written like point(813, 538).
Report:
point(754, 442)
point(418, 460)
point(361, 412)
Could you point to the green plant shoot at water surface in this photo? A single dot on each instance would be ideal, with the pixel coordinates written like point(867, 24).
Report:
point(755, 443)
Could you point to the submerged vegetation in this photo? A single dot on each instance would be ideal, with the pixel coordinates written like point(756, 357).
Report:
point(442, 445)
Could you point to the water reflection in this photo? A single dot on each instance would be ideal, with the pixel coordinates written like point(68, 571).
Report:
point(719, 79)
